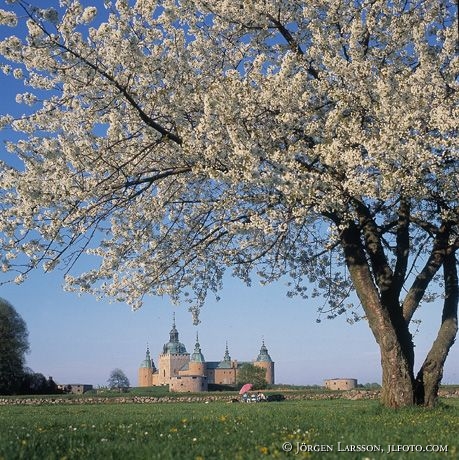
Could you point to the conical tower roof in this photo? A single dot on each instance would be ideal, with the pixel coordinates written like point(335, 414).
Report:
point(197, 355)
point(174, 346)
point(147, 362)
point(226, 363)
point(263, 356)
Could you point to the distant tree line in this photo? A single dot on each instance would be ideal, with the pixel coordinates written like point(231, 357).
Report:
point(15, 378)
point(35, 383)
point(370, 386)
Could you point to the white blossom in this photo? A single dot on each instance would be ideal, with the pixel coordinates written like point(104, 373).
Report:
point(5, 121)
point(171, 144)
point(89, 14)
point(19, 279)
point(8, 18)
point(18, 74)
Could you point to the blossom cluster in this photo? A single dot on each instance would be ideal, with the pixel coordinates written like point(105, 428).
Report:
point(168, 142)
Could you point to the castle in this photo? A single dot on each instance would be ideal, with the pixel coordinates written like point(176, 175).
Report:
point(192, 373)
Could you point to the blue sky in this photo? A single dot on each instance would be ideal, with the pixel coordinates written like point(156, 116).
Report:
point(79, 340)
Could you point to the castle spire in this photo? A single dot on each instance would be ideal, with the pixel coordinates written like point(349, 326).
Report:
point(197, 356)
point(173, 335)
point(226, 362)
point(174, 346)
point(147, 362)
point(227, 356)
point(264, 355)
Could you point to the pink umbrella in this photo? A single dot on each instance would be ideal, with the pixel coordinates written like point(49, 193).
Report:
point(245, 388)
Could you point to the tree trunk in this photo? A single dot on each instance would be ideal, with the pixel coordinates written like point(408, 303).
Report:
point(378, 289)
point(387, 324)
point(397, 371)
point(430, 375)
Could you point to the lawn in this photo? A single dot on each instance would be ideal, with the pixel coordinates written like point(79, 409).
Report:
point(323, 429)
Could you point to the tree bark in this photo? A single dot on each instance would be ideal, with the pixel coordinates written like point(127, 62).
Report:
point(431, 372)
point(397, 376)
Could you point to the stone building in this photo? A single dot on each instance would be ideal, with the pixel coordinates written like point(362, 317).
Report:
point(340, 384)
point(192, 373)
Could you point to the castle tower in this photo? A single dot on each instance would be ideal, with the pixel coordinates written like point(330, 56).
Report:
point(146, 370)
point(264, 361)
point(226, 370)
point(197, 361)
point(173, 357)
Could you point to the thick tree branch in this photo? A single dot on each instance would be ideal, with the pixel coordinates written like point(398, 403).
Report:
point(362, 279)
point(433, 264)
point(373, 246)
point(431, 371)
point(402, 246)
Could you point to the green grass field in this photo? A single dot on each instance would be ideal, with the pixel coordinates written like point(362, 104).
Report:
point(219, 430)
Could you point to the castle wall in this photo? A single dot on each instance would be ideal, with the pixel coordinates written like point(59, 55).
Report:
point(145, 377)
point(155, 380)
point(188, 384)
point(225, 376)
point(195, 368)
point(169, 366)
